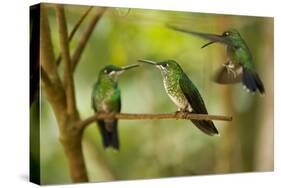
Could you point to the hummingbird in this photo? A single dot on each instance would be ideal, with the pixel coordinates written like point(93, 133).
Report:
point(183, 93)
point(239, 66)
point(106, 98)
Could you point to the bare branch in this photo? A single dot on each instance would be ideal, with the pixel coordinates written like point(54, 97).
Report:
point(75, 28)
point(79, 23)
point(85, 37)
point(51, 83)
point(47, 57)
point(45, 78)
point(127, 116)
point(61, 97)
point(68, 76)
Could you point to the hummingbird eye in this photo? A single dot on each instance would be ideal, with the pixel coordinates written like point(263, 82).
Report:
point(165, 65)
point(226, 33)
point(107, 71)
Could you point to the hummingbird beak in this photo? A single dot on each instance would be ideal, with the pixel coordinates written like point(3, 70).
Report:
point(205, 45)
point(123, 69)
point(212, 37)
point(130, 66)
point(147, 62)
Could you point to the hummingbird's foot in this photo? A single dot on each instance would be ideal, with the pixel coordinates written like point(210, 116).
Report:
point(186, 115)
point(182, 113)
point(233, 72)
point(230, 68)
point(178, 112)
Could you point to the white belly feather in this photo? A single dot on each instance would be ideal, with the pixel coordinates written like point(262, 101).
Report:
point(177, 96)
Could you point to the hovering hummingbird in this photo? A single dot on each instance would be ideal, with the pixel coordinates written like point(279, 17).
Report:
point(106, 98)
point(183, 93)
point(239, 66)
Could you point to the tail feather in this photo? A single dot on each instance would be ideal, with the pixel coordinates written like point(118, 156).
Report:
point(109, 134)
point(207, 127)
point(252, 81)
point(248, 77)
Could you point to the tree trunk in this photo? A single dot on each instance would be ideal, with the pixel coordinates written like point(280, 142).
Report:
point(72, 145)
point(70, 136)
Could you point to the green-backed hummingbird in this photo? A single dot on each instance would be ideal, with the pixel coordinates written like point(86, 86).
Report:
point(183, 93)
point(106, 98)
point(239, 66)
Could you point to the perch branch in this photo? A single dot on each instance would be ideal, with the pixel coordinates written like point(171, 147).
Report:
point(179, 115)
point(68, 77)
point(85, 37)
point(75, 28)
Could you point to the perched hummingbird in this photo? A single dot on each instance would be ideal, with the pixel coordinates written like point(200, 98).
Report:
point(183, 93)
point(106, 98)
point(239, 66)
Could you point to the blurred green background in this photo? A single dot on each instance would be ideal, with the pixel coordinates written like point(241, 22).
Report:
point(165, 148)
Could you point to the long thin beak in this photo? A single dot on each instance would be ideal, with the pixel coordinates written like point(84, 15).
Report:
point(147, 62)
point(205, 45)
point(123, 69)
point(130, 66)
point(212, 37)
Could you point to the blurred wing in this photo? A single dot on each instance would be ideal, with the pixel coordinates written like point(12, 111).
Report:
point(225, 76)
point(208, 36)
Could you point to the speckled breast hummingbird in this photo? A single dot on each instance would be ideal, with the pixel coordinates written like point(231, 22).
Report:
point(183, 93)
point(239, 66)
point(106, 98)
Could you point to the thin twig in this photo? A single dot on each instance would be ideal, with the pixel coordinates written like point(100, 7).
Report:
point(85, 37)
point(68, 76)
point(75, 28)
point(127, 116)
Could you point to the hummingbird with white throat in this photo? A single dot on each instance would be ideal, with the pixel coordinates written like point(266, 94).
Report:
point(106, 98)
point(239, 66)
point(183, 93)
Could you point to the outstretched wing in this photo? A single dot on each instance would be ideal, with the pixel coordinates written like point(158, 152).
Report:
point(229, 76)
point(208, 36)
